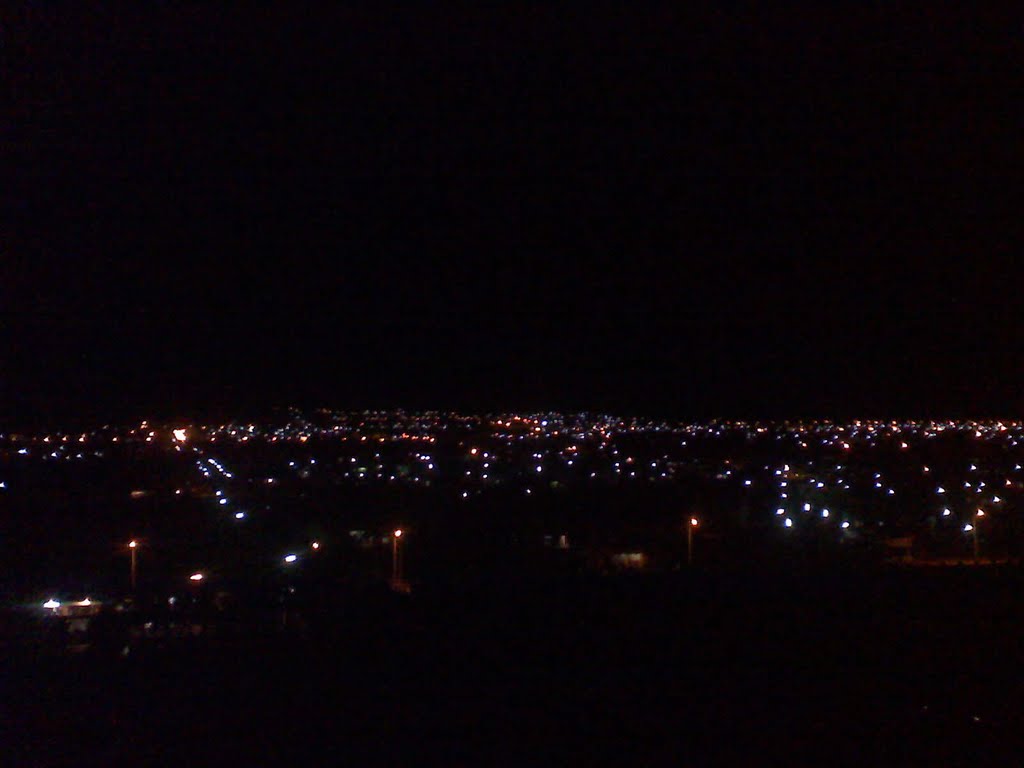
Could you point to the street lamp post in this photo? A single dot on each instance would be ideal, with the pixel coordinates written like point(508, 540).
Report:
point(396, 571)
point(133, 547)
point(977, 520)
point(689, 540)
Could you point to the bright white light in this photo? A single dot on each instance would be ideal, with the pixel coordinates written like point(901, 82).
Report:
point(996, 499)
point(223, 502)
point(968, 528)
point(85, 602)
point(180, 435)
point(845, 524)
point(940, 489)
point(693, 522)
point(239, 515)
point(981, 513)
point(540, 468)
point(824, 513)
point(807, 507)
point(946, 512)
point(780, 511)
point(196, 577)
point(315, 545)
point(789, 523)
point(290, 558)
point(52, 604)
point(973, 468)
point(746, 482)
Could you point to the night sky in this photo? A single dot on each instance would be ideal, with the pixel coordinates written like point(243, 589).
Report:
point(689, 213)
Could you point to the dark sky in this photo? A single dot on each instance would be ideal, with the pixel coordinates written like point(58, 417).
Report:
point(689, 213)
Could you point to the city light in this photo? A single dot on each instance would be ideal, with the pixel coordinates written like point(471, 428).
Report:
point(133, 544)
point(315, 545)
point(693, 522)
point(789, 523)
point(181, 435)
point(196, 577)
point(968, 527)
point(239, 515)
point(845, 524)
point(290, 558)
point(52, 604)
point(398, 533)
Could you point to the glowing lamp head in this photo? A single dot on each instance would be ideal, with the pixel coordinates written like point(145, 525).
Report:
point(693, 522)
point(315, 545)
point(981, 513)
point(181, 435)
point(968, 528)
point(133, 544)
point(196, 577)
point(398, 533)
point(52, 604)
point(290, 558)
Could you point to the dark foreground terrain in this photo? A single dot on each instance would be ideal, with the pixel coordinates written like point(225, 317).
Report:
point(857, 667)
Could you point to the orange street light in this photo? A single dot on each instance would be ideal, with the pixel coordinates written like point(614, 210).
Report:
point(133, 547)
